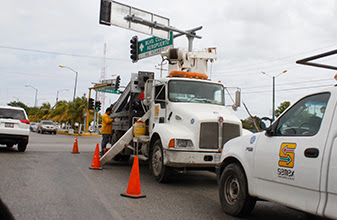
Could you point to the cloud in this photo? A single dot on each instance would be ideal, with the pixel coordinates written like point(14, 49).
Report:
point(250, 37)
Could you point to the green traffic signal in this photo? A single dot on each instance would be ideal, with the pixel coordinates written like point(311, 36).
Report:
point(97, 105)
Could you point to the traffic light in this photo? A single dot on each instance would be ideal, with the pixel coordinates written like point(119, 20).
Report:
point(118, 82)
point(97, 105)
point(91, 103)
point(134, 49)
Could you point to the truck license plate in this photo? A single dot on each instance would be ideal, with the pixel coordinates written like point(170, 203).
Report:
point(9, 125)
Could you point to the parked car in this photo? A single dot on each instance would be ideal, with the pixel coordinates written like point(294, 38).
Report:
point(33, 126)
point(14, 127)
point(46, 126)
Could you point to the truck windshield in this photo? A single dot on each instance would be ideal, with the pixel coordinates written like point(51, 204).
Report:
point(198, 92)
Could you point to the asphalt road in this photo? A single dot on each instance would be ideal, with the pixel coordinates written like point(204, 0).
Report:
point(49, 182)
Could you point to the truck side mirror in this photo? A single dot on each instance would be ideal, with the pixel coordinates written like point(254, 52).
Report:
point(148, 92)
point(265, 123)
point(237, 100)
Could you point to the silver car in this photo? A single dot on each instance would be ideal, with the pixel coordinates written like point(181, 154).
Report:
point(46, 126)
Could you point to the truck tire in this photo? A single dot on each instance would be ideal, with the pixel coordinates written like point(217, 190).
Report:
point(22, 147)
point(233, 192)
point(159, 170)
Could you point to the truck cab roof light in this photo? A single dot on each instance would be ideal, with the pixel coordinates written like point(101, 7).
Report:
point(190, 75)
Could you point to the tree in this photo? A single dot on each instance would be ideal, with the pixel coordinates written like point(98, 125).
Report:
point(61, 112)
point(19, 104)
point(248, 123)
point(283, 106)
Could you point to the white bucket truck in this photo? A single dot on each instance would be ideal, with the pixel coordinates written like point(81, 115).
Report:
point(187, 121)
point(293, 162)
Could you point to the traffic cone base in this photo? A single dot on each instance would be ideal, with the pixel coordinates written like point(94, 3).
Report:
point(96, 163)
point(75, 148)
point(133, 196)
point(95, 168)
point(133, 190)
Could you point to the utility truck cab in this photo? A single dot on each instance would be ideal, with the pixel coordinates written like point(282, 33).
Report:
point(189, 123)
point(293, 162)
point(185, 117)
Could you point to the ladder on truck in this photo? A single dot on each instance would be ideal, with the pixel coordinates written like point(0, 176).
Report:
point(122, 108)
point(122, 143)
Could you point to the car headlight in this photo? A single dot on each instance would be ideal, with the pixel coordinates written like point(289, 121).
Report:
point(181, 143)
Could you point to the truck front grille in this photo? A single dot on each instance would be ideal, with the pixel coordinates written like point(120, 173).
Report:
point(229, 131)
point(209, 134)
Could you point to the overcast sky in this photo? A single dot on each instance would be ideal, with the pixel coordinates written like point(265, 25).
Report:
point(250, 36)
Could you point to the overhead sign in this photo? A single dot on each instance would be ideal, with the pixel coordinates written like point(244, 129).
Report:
point(121, 15)
point(108, 90)
point(153, 46)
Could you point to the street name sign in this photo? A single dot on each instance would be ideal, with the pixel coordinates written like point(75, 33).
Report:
point(109, 90)
point(153, 46)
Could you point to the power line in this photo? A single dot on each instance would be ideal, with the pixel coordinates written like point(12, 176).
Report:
point(298, 82)
point(281, 58)
point(59, 53)
point(256, 71)
point(20, 73)
point(291, 89)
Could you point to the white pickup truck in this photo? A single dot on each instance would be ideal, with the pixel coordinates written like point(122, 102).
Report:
point(293, 162)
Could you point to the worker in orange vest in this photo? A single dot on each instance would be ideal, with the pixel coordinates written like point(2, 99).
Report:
point(106, 130)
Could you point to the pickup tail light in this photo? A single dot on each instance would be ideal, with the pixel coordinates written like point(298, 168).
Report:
point(25, 121)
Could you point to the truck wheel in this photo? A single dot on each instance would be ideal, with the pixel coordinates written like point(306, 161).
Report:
point(233, 192)
point(159, 170)
point(22, 147)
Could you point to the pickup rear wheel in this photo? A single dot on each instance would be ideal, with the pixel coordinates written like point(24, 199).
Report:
point(22, 147)
point(233, 192)
point(159, 170)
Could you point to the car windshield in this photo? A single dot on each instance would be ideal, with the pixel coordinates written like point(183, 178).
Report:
point(12, 114)
point(197, 92)
point(47, 122)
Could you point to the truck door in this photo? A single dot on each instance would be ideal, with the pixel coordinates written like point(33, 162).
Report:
point(330, 209)
point(288, 157)
point(159, 110)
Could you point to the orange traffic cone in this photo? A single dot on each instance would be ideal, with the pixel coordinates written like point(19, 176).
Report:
point(133, 190)
point(96, 163)
point(75, 148)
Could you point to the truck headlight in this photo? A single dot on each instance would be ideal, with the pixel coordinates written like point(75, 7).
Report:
point(181, 143)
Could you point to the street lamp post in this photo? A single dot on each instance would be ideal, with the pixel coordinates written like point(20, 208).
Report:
point(35, 93)
point(274, 77)
point(72, 114)
point(57, 93)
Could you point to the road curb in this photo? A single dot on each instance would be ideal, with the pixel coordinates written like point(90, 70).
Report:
point(83, 135)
